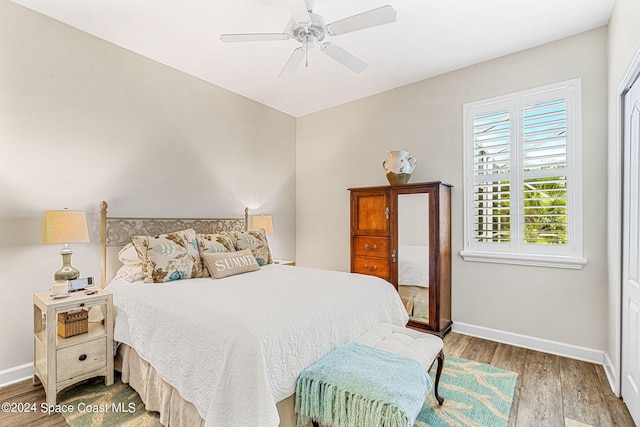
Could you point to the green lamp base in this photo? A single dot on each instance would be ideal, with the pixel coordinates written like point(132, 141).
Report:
point(67, 271)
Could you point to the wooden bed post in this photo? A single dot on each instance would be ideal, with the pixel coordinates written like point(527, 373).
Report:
point(246, 219)
point(103, 244)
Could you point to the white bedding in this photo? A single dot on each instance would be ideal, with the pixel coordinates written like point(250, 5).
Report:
point(413, 265)
point(234, 347)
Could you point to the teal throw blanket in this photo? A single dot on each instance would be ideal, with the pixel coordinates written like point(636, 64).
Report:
point(358, 385)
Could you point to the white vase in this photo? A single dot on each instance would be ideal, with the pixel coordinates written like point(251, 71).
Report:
point(399, 166)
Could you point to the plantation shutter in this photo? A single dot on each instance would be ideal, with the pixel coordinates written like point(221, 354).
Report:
point(522, 178)
point(492, 176)
point(544, 163)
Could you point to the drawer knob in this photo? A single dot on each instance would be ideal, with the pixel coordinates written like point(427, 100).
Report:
point(81, 304)
point(82, 357)
point(374, 268)
point(370, 248)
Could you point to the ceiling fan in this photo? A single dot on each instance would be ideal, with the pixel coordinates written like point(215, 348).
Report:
point(310, 30)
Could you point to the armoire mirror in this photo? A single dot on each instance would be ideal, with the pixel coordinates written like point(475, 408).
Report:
point(413, 254)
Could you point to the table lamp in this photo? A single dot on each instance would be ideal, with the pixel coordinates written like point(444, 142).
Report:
point(65, 227)
point(263, 221)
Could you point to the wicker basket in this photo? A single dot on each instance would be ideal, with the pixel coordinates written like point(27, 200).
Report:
point(74, 323)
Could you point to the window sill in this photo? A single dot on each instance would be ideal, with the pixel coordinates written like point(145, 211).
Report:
point(518, 259)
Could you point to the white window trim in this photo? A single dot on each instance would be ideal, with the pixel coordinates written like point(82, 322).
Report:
point(570, 256)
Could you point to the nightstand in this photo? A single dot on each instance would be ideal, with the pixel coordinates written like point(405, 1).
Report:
point(60, 362)
point(284, 262)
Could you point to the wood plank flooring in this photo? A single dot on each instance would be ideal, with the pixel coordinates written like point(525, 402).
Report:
point(26, 392)
point(551, 390)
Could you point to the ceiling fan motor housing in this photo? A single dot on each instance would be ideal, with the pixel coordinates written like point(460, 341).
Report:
point(310, 32)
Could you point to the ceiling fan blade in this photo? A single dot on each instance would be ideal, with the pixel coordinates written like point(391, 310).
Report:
point(356, 65)
point(254, 37)
point(382, 15)
point(298, 10)
point(292, 63)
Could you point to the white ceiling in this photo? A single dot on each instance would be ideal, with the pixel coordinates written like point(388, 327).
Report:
point(429, 37)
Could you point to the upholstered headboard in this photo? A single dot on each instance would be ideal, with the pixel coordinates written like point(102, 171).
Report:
point(115, 233)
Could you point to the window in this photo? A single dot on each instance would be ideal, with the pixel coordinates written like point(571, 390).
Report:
point(523, 178)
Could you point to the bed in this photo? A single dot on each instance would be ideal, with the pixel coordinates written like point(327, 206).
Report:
point(204, 351)
point(413, 280)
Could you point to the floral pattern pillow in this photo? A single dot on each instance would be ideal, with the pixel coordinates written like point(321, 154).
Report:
point(213, 244)
point(257, 242)
point(130, 273)
point(168, 257)
point(129, 256)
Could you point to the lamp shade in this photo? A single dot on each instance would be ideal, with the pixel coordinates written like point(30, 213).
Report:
point(65, 227)
point(263, 221)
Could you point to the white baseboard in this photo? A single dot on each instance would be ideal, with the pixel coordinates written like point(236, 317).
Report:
point(610, 372)
point(532, 343)
point(17, 374)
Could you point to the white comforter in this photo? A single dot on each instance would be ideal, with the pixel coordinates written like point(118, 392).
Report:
point(413, 266)
point(234, 347)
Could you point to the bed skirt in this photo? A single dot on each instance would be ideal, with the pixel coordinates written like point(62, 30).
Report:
point(159, 396)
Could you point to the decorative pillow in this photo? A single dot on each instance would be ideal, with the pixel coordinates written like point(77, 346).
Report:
point(214, 243)
point(223, 264)
point(168, 257)
point(257, 242)
point(129, 256)
point(130, 273)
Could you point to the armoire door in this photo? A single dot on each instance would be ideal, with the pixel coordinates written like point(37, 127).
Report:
point(370, 213)
point(421, 243)
point(370, 229)
point(413, 272)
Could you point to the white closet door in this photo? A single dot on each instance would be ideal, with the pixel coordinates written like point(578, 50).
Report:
point(631, 255)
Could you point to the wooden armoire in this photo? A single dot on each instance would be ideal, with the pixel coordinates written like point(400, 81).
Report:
point(402, 233)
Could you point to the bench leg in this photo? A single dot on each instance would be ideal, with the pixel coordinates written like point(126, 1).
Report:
point(440, 358)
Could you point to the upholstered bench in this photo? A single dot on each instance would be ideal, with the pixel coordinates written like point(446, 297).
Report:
point(330, 391)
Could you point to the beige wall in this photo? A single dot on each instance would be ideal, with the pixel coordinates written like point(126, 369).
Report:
point(138, 134)
point(82, 121)
point(623, 45)
point(344, 147)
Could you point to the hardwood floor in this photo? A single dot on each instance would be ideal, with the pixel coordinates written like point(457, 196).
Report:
point(26, 392)
point(551, 390)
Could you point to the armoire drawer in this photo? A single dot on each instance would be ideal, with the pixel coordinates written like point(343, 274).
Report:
point(371, 246)
point(372, 266)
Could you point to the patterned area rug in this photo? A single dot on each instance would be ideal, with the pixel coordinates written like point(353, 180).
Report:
point(475, 395)
point(96, 405)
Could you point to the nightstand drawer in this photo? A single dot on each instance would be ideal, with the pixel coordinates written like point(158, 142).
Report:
point(81, 359)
